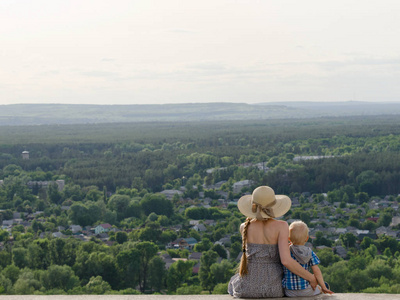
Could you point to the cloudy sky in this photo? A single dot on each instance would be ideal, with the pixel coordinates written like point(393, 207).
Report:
point(170, 51)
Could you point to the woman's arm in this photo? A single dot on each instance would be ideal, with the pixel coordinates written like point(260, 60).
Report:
point(287, 260)
point(318, 274)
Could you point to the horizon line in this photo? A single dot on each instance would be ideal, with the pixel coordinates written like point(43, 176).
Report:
point(216, 102)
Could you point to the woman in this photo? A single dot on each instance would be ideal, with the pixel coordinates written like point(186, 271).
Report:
point(265, 247)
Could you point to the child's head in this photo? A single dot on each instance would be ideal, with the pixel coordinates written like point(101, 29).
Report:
point(298, 233)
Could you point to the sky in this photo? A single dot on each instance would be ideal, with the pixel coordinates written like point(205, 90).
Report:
point(170, 51)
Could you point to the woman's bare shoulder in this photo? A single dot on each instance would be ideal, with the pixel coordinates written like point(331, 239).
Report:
point(241, 227)
point(280, 223)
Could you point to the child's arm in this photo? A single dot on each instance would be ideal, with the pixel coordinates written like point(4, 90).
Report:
point(318, 274)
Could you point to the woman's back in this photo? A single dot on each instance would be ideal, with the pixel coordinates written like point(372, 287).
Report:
point(264, 278)
point(269, 229)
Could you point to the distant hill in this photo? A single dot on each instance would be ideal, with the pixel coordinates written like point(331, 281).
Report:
point(37, 114)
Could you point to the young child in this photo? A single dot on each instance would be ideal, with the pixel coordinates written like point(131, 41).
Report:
point(294, 285)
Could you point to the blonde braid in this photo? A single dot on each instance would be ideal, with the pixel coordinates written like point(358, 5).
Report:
point(243, 261)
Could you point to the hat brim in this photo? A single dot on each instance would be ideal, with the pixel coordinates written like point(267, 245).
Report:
point(282, 206)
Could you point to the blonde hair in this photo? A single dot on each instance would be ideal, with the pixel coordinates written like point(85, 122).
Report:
point(298, 232)
point(243, 261)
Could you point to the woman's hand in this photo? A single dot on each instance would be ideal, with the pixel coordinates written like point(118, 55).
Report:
point(326, 291)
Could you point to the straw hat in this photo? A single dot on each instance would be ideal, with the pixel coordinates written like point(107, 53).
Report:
point(264, 204)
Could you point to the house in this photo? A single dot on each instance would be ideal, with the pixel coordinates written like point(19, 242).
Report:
point(103, 236)
point(221, 200)
point(325, 203)
point(102, 228)
point(385, 231)
point(200, 227)
point(381, 230)
point(196, 268)
point(238, 186)
point(37, 213)
point(25, 223)
point(388, 198)
point(42, 235)
point(373, 204)
point(176, 228)
point(212, 170)
point(358, 232)
point(167, 260)
point(373, 219)
point(45, 184)
point(261, 166)
point(330, 230)
point(191, 242)
point(245, 165)
point(81, 237)
point(195, 255)
point(8, 222)
point(219, 184)
point(385, 203)
point(223, 194)
point(295, 202)
point(320, 228)
point(372, 236)
point(17, 221)
point(29, 217)
point(341, 251)
point(395, 221)
point(340, 231)
point(75, 229)
point(207, 200)
point(225, 241)
point(169, 194)
point(57, 234)
point(210, 222)
point(183, 243)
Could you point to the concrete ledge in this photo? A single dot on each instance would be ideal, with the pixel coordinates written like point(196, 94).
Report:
point(194, 297)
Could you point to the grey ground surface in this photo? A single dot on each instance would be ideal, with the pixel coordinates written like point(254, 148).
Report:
point(194, 297)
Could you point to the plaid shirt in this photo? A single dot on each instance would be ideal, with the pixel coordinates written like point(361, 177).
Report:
point(291, 281)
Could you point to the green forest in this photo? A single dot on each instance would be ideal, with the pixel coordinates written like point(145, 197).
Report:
point(129, 208)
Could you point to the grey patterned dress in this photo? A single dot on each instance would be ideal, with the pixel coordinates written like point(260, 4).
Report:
point(264, 279)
